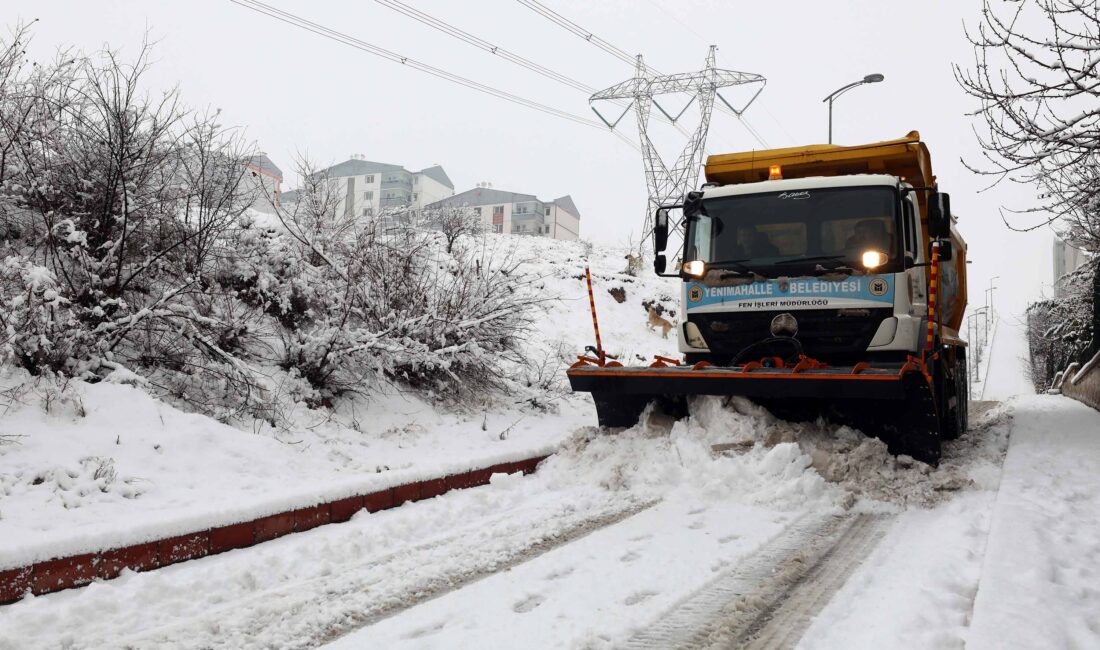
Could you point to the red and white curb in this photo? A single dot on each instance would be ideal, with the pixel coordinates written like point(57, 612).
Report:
point(78, 570)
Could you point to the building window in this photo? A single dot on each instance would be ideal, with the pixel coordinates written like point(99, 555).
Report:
point(415, 195)
point(548, 211)
point(477, 211)
point(498, 210)
point(366, 212)
point(368, 196)
point(498, 228)
point(369, 178)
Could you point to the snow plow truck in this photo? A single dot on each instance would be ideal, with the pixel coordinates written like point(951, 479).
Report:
point(821, 280)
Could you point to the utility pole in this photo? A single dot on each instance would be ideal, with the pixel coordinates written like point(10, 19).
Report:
point(991, 290)
point(669, 184)
point(989, 301)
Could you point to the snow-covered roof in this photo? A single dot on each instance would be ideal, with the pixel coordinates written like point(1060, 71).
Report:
point(490, 196)
point(485, 196)
point(355, 167)
point(436, 173)
point(566, 203)
point(261, 162)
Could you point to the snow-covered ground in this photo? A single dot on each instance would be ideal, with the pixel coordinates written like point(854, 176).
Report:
point(90, 467)
point(620, 537)
point(1007, 374)
point(1041, 573)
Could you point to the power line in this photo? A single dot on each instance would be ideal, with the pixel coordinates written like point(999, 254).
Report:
point(618, 53)
point(482, 44)
point(345, 39)
point(660, 7)
point(673, 16)
point(573, 27)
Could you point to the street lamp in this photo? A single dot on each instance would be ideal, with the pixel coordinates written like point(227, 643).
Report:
point(989, 293)
point(869, 79)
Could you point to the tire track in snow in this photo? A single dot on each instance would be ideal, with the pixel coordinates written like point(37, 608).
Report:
point(307, 613)
point(768, 600)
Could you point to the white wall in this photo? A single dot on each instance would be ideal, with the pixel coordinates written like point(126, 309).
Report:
point(428, 190)
point(264, 188)
point(361, 187)
point(564, 225)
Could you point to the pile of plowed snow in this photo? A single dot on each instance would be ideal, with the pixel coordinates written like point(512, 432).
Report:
point(734, 449)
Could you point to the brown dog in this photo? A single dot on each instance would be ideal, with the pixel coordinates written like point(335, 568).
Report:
point(654, 321)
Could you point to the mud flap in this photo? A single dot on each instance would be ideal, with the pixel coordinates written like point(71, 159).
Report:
point(616, 410)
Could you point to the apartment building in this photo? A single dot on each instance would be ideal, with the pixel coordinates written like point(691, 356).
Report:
point(520, 214)
point(1067, 259)
point(369, 187)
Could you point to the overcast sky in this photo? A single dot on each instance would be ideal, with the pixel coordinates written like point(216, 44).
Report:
point(297, 92)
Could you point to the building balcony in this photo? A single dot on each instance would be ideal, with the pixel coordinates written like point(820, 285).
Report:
point(528, 208)
point(393, 202)
point(398, 184)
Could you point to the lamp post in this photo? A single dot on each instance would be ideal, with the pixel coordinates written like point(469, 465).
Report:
point(869, 79)
point(989, 294)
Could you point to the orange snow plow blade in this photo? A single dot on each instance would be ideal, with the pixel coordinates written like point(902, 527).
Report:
point(892, 403)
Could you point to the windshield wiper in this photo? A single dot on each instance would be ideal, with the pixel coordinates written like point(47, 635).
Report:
point(736, 265)
point(816, 258)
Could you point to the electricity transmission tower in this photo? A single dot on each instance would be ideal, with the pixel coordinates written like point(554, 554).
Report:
point(669, 184)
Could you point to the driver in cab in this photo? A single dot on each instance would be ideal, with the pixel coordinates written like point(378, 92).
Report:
point(869, 234)
point(752, 243)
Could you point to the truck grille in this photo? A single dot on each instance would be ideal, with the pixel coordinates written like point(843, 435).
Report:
point(825, 334)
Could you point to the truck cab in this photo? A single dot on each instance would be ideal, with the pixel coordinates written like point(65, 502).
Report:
point(834, 263)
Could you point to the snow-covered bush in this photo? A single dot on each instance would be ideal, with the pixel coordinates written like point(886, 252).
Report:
point(454, 221)
point(1061, 329)
point(364, 301)
point(40, 328)
point(126, 244)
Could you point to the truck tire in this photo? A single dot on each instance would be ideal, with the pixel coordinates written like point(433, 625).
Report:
point(954, 392)
point(913, 426)
point(964, 394)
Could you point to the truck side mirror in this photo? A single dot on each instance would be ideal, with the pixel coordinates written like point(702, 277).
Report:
point(659, 264)
point(946, 251)
point(660, 231)
point(939, 215)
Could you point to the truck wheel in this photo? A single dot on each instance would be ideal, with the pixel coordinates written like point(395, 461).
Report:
point(963, 385)
point(953, 409)
point(914, 428)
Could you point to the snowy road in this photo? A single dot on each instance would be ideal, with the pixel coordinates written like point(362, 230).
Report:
point(804, 536)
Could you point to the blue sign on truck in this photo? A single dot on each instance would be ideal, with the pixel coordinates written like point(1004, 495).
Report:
point(795, 293)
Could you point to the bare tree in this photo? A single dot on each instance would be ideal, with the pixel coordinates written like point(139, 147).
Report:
point(454, 221)
point(1037, 81)
point(139, 251)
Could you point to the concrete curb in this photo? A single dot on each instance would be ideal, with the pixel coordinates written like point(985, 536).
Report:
point(78, 570)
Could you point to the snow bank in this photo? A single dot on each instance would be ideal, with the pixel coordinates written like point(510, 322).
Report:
point(88, 467)
point(917, 588)
point(108, 466)
point(1039, 583)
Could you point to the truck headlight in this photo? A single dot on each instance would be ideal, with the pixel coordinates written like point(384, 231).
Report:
point(873, 259)
point(695, 268)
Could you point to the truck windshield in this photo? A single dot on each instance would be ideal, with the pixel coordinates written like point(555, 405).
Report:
point(794, 231)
